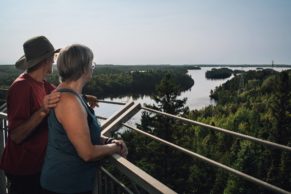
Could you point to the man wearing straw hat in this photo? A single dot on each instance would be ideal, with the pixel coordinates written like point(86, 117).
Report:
point(28, 102)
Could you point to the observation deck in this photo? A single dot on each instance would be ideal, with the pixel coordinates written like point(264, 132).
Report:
point(136, 179)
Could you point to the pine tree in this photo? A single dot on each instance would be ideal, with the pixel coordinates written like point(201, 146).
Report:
point(170, 166)
point(279, 173)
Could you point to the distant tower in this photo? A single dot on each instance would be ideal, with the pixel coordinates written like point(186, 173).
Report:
point(272, 63)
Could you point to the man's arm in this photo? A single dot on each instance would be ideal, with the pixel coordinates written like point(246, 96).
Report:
point(92, 100)
point(26, 127)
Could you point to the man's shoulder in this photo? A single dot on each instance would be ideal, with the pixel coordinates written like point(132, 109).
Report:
point(20, 83)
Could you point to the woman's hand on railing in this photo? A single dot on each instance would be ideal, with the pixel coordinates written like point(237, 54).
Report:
point(92, 100)
point(123, 148)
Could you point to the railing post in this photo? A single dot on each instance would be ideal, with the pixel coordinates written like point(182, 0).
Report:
point(3, 128)
point(116, 115)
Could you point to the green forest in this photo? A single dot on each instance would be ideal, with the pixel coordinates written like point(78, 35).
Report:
point(256, 103)
point(220, 73)
point(115, 80)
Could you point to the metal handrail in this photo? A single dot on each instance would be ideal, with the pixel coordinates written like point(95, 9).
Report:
point(111, 102)
point(240, 135)
point(153, 185)
point(103, 171)
point(120, 122)
point(135, 174)
point(212, 162)
point(3, 107)
point(116, 115)
point(3, 115)
point(3, 139)
point(138, 176)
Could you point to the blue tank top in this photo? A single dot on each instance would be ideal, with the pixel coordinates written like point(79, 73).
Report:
point(63, 170)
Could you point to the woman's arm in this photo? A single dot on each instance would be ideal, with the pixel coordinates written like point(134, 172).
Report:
point(72, 115)
point(108, 140)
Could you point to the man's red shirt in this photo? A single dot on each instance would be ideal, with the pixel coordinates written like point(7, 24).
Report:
point(25, 97)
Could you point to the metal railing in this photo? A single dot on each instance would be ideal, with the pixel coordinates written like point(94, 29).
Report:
point(136, 175)
point(211, 162)
point(105, 182)
point(3, 140)
point(142, 181)
point(229, 132)
point(3, 108)
point(120, 121)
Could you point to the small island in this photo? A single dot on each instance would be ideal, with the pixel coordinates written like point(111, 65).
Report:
point(221, 73)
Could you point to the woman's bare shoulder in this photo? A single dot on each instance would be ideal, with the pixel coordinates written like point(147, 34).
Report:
point(68, 106)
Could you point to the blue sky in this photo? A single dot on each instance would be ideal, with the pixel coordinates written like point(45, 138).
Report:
point(154, 31)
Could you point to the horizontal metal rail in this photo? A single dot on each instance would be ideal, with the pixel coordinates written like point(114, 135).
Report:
point(140, 177)
point(100, 117)
point(243, 136)
point(212, 162)
point(3, 115)
point(113, 124)
point(3, 139)
point(111, 102)
point(136, 175)
point(116, 115)
point(113, 179)
point(3, 108)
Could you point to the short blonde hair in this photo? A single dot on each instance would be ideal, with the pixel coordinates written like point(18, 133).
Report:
point(74, 61)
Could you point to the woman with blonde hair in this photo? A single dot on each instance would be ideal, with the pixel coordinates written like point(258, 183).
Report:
point(74, 143)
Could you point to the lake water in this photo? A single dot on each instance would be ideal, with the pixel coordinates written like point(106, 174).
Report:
point(197, 96)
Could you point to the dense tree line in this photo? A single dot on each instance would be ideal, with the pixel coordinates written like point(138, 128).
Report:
point(7, 74)
point(221, 73)
point(113, 85)
point(117, 80)
point(256, 103)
